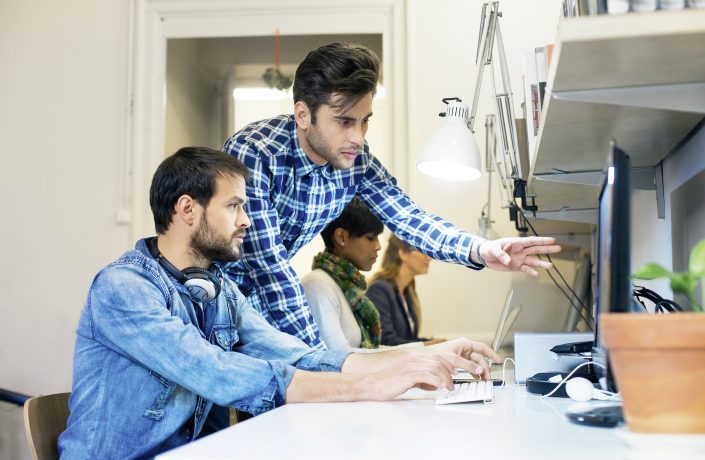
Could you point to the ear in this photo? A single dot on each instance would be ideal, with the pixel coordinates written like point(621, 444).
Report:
point(302, 115)
point(403, 255)
point(340, 237)
point(187, 209)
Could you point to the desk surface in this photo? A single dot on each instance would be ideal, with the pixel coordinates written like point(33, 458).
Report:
point(517, 426)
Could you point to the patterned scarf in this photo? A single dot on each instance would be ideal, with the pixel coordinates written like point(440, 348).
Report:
point(353, 284)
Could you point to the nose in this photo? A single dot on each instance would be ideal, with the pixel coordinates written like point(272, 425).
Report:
point(378, 246)
point(242, 220)
point(357, 134)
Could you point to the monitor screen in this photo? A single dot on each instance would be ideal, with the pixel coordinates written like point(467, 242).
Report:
point(613, 284)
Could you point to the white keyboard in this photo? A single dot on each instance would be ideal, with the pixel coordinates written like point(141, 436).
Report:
point(481, 390)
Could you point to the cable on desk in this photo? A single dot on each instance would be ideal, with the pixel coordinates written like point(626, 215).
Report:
point(504, 366)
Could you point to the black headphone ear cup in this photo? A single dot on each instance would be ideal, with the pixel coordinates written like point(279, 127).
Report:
point(202, 284)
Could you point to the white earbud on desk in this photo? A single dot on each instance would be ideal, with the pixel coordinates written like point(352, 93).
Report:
point(581, 389)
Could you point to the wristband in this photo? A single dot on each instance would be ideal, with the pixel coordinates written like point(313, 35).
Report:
point(477, 254)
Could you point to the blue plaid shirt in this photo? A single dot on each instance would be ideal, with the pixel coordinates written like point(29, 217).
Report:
point(291, 199)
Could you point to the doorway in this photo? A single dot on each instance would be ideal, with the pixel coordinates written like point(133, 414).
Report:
point(215, 86)
point(156, 22)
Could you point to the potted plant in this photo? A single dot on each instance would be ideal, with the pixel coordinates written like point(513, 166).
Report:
point(658, 361)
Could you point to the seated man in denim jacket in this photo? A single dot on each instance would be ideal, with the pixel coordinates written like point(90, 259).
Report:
point(163, 335)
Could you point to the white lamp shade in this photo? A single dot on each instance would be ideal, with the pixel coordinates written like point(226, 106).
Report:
point(451, 152)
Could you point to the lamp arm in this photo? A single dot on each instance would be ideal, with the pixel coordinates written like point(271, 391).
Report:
point(489, 32)
point(505, 107)
point(483, 56)
point(490, 153)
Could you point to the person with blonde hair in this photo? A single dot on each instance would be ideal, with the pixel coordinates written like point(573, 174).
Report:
point(393, 292)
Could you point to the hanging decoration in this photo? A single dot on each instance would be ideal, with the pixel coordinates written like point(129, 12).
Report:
point(273, 77)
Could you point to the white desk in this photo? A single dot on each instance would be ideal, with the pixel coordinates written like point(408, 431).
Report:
point(517, 426)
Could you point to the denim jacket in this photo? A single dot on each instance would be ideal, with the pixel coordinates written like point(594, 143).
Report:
point(144, 374)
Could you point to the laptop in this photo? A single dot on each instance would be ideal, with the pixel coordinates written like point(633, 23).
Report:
point(506, 320)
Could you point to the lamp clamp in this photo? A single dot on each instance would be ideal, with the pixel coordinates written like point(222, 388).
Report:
point(515, 215)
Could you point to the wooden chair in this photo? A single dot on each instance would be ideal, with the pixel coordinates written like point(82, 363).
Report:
point(44, 419)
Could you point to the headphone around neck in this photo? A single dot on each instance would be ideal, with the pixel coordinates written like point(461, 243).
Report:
point(203, 285)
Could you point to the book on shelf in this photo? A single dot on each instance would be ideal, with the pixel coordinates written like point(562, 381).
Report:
point(535, 64)
point(541, 72)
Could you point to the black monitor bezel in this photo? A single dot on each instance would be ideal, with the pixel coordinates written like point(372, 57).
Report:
point(615, 201)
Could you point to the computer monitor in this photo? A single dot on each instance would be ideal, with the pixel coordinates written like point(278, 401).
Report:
point(613, 284)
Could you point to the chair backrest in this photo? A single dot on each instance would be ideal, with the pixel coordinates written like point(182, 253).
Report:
point(44, 419)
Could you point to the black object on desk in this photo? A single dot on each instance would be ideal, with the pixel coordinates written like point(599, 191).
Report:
point(541, 385)
point(603, 416)
point(573, 347)
point(495, 382)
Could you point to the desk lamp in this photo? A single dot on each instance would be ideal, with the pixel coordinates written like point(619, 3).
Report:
point(451, 152)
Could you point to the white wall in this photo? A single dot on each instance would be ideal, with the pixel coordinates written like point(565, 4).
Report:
point(442, 40)
point(62, 124)
point(651, 237)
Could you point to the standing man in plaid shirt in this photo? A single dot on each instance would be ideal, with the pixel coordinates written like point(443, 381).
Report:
point(306, 167)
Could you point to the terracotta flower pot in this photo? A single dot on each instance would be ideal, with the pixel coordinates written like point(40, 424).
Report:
point(658, 363)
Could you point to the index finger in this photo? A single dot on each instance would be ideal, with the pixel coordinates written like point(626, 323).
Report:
point(460, 362)
point(539, 240)
point(484, 349)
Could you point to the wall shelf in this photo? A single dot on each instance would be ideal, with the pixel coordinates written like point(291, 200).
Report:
point(636, 78)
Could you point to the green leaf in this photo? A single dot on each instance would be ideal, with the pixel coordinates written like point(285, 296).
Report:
point(683, 282)
point(651, 272)
point(697, 260)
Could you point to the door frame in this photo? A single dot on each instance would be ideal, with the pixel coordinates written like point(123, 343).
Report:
point(153, 22)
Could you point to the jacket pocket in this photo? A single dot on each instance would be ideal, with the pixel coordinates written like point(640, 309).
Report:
point(156, 411)
point(225, 337)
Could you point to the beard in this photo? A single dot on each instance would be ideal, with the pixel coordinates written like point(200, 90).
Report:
point(324, 149)
point(209, 245)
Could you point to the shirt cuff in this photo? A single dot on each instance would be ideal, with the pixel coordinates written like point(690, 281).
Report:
point(333, 360)
point(283, 373)
point(466, 244)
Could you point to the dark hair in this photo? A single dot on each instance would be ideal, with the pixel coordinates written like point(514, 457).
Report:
point(346, 69)
point(191, 171)
point(356, 219)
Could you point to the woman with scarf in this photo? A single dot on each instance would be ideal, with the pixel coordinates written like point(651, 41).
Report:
point(335, 289)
